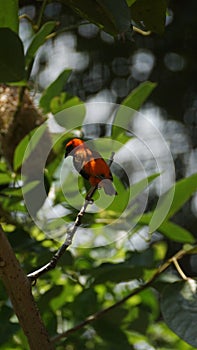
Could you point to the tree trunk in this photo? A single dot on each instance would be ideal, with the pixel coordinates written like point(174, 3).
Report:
point(19, 290)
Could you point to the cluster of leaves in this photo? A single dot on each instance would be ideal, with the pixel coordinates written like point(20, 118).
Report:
point(115, 18)
point(89, 280)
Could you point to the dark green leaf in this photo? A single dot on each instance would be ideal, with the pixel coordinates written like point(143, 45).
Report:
point(54, 90)
point(12, 61)
point(152, 13)
point(143, 259)
point(9, 14)
point(112, 16)
point(179, 309)
point(109, 329)
point(120, 272)
point(85, 304)
point(46, 298)
point(20, 240)
point(38, 40)
point(7, 329)
point(141, 322)
point(117, 12)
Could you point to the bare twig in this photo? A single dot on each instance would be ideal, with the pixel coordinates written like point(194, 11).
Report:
point(68, 241)
point(179, 269)
point(134, 292)
point(69, 236)
point(142, 32)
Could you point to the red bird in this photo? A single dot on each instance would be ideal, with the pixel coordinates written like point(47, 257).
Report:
point(90, 165)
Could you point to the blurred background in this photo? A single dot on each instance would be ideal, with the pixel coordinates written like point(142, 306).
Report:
point(106, 70)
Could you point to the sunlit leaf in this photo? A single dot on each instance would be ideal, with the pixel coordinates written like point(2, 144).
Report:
point(9, 15)
point(5, 178)
point(61, 102)
point(176, 232)
point(139, 95)
point(27, 145)
point(169, 229)
point(54, 90)
point(38, 40)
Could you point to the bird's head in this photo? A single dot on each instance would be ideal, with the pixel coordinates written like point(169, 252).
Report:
point(72, 144)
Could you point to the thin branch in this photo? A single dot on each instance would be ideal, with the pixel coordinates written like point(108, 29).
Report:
point(66, 29)
point(25, 16)
point(179, 269)
point(134, 292)
point(142, 32)
point(68, 241)
point(33, 276)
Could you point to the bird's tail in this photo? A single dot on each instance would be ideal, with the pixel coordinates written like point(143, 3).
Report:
point(108, 187)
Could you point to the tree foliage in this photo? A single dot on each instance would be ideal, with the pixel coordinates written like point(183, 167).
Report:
point(107, 296)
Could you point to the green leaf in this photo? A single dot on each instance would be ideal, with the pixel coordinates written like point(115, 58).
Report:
point(62, 102)
point(112, 16)
point(117, 12)
point(184, 189)
point(9, 14)
point(5, 179)
point(161, 211)
point(109, 330)
point(134, 101)
point(7, 329)
point(27, 145)
point(85, 304)
point(120, 272)
point(152, 13)
point(140, 186)
point(130, 2)
point(179, 309)
point(38, 40)
point(53, 90)
point(143, 259)
point(176, 232)
point(169, 229)
point(12, 61)
point(19, 191)
point(139, 95)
